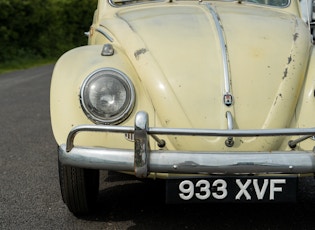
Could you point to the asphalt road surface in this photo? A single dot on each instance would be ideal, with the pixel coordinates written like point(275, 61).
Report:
point(29, 186)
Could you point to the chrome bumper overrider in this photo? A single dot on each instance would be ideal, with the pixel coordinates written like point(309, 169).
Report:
point(142, 160)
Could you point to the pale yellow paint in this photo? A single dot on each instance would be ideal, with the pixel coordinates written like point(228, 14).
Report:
point(171, 53)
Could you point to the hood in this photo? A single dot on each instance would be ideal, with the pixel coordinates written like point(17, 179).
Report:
point(177, 51)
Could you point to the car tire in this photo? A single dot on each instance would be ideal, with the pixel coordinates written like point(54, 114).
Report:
point(79, 188)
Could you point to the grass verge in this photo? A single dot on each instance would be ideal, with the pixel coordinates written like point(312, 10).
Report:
point(24, 63)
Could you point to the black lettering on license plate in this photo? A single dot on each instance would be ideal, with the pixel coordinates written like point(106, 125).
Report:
point(232, 189)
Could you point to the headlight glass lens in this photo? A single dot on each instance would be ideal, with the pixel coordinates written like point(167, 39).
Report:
point(107, 96)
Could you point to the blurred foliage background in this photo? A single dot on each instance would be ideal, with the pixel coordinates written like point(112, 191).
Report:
point(38, 30)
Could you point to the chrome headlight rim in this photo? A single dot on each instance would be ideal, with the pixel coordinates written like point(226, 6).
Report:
point(130, 102)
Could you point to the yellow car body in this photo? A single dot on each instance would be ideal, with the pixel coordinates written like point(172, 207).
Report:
point(213, 88)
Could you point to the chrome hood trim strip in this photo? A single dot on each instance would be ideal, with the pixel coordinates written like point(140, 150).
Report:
point(226, 70)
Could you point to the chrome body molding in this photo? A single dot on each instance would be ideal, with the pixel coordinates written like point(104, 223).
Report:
point(229, 118)
point(142, 160)
point(229, 142)
point(223, 46)
point(109, 38)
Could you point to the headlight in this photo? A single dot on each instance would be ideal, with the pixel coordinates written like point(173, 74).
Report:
point(107, 96)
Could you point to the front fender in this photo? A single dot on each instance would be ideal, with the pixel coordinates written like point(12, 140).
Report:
point(68, 75)
point(305, 110)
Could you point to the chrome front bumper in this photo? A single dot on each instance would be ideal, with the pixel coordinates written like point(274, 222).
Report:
point(141, 160)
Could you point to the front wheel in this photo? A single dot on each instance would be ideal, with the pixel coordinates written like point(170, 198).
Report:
point(79, 188)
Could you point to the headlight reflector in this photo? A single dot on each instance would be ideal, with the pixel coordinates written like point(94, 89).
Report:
point(107, 96)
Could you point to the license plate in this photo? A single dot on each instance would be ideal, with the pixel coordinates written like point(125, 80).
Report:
point(231, 189)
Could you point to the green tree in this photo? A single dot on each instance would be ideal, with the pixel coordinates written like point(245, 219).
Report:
point(42, 28)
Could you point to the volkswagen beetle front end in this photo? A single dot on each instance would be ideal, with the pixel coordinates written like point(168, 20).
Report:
point(215, 97)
